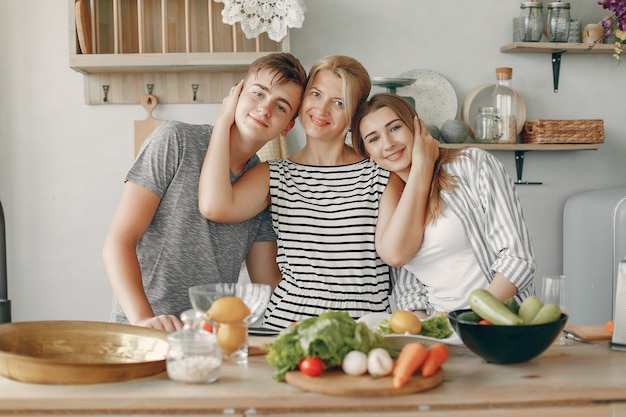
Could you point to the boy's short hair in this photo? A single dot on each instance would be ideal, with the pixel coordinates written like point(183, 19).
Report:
point(285, 66)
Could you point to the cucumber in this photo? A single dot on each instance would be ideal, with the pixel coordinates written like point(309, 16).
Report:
point(469, 316)
point(511, 304)
point(548, 314)
point(529, 308)
point(491, 309)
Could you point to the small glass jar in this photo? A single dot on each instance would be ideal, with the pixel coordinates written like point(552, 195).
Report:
point(531, 21)
point(487, 126)
point(558, 21)
point(194, 355)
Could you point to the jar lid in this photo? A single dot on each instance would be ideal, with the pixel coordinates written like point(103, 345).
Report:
point(530, 4)
point(558, 5)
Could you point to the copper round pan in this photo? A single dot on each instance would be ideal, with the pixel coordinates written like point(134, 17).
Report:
point(80, 352)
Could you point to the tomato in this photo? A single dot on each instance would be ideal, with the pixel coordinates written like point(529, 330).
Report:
point(483, 321)
point(311, 366)
point(207, 326)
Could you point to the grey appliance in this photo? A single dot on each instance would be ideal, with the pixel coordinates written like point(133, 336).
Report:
point(594, 243)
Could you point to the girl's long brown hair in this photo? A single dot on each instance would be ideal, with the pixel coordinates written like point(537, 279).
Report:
point(442, 181)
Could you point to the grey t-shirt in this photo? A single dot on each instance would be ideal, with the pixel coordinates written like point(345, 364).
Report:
point(181, 248)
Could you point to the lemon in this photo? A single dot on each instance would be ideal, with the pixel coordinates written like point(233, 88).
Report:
point(403, 321)
point(231, 336)
point(229, 309)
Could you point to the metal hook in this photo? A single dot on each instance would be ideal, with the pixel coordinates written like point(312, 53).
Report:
point(150, 87)
point(194, 87)
point(105, 88)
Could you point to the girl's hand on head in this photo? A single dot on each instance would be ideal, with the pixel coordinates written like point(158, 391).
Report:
point(425, 147)
point(229, 104)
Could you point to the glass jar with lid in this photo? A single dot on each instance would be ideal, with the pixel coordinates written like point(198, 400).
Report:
point(194, 355)
point(558, 21)
point(531, 21)
point(487, 125)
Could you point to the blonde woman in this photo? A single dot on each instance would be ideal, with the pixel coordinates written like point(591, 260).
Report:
point(323, 202)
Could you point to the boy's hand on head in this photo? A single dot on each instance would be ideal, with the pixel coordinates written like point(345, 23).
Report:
point(229, 104)
point(425, 147)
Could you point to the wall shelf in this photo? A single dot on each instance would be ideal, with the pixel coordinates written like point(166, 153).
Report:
point(557, 49)
point(178, 50)
point(551, 47)
point(520, 149)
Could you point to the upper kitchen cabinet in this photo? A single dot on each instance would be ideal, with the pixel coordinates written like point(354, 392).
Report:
point(177, 50)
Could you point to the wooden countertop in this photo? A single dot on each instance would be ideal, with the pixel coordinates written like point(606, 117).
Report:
point(559, 382)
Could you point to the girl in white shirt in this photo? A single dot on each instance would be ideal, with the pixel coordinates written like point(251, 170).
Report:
point(474, 236)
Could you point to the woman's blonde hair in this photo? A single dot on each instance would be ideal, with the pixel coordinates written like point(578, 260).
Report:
point(355, 80)
point(442, 181)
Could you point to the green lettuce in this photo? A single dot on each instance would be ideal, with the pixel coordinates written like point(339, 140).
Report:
point(329, 337)
point(436, 327)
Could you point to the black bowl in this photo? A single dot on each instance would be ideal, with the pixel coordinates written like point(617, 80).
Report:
point(506, 344)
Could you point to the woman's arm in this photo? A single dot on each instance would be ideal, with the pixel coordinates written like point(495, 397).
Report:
point(402, 211)
point(506, 234)
point(261, 264)
point(501, 287)
point(218, 199)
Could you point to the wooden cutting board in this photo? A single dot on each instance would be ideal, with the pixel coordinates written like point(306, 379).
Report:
point(143, 128)
point(83, 26)
point(338, 383)
point(591, 332)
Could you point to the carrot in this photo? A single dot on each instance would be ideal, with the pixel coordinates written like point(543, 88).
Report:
point(437, 354)
point(609, 326)
point(410, 359)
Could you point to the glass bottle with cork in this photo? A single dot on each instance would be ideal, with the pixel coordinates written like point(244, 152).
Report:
point(505, 102)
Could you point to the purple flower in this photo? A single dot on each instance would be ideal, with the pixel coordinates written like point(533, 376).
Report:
point(618, 7)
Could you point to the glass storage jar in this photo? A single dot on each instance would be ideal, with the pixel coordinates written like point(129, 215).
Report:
point(194, 355)
point(558, 21)
point(487, 125)
point(531, 21)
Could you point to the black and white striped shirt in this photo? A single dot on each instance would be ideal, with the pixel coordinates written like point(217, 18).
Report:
point(325, 220)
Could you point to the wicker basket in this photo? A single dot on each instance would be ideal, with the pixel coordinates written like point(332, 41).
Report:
point(563, 131)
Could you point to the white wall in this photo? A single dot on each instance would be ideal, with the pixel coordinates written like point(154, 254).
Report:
point(62, 162)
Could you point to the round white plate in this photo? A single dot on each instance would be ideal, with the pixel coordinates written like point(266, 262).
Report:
point(397, 341)
point(435, 98)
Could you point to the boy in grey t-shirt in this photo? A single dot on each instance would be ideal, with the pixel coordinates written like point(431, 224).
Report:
point(158, 244)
